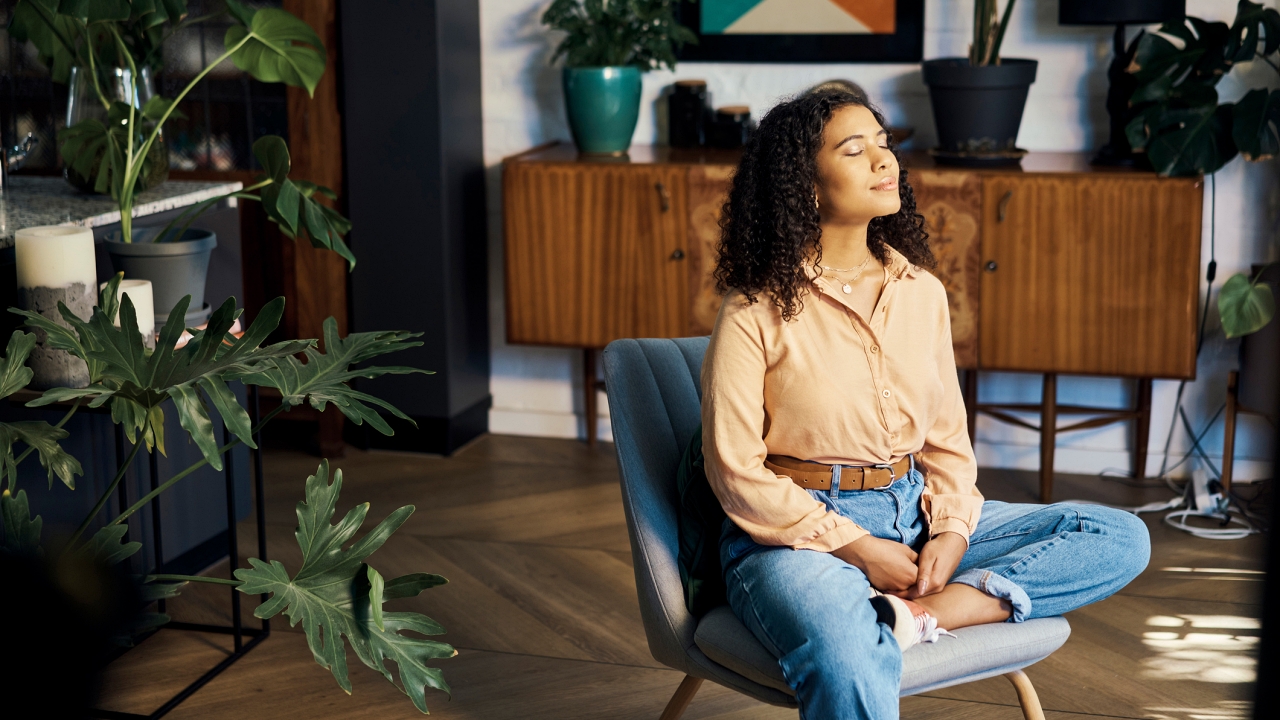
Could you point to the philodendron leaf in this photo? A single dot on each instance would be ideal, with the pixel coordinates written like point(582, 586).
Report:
point(275, 46)
point(272, 153)
point(44, 438)
point(105, 545)
point(1245, 307)
point(157, 106)
point(21, 531)
point(322, 378)
point(376, 587)
point(14, 374)
point(1192, 141)
point(330, 595)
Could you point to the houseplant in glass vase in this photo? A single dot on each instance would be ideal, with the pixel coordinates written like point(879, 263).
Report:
point(978, 101)
point(118, 152)
point(609, 43)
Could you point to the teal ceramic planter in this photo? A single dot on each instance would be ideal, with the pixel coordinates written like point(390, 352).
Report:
point(603, 105)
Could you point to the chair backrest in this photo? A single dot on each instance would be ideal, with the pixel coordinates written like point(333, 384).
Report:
point(655, 407)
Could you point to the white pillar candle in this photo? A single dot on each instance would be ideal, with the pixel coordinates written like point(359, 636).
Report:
point(140, 294)
point(55, 257)
point(56, 264)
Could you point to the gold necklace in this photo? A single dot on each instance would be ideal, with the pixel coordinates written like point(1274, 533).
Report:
point(846, 287)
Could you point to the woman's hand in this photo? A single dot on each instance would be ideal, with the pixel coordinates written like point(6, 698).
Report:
point(938, 561)
point(890, 566)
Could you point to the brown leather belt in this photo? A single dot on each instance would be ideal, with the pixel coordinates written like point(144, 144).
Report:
point(817, 476)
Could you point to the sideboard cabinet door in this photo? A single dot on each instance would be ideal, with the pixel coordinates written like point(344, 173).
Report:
point(594, 252)
point(1090, 274)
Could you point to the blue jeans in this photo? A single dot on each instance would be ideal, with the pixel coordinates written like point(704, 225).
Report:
point(810, 608)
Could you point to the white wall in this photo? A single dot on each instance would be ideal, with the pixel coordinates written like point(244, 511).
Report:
point(538, 391)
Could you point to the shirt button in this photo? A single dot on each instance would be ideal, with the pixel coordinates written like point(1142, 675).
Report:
point(885, 393)
point(875, 348)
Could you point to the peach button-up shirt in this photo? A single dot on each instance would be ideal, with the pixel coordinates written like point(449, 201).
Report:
point(833, 387)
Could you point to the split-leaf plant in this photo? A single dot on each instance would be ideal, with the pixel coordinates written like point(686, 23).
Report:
point(335, 592)
point(269, 44)
point(1184, 129)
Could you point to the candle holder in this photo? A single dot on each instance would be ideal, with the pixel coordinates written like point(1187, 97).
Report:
point(55, 264)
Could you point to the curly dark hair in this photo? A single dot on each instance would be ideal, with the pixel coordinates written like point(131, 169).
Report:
point(769, 224)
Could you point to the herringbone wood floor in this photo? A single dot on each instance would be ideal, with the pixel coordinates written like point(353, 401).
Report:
point(541, 604)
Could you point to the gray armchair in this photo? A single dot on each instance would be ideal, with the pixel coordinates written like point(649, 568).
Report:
point(654, 406)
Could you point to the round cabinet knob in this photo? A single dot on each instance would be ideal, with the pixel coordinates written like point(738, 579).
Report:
point(678, 254)
point(991, 266)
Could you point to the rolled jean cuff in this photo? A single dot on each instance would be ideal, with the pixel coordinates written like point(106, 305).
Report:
point(998, 586)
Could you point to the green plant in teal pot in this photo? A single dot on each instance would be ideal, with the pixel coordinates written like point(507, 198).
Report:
point(609, 43)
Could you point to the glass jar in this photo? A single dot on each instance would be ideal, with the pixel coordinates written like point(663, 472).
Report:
point(84, 102)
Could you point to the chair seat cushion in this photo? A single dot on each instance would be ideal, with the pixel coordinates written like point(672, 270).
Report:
point(975, 653)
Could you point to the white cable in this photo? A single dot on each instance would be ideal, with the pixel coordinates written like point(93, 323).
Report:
point(1177, 520)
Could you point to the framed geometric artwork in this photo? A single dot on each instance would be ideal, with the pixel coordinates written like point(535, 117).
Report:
point(804, 30)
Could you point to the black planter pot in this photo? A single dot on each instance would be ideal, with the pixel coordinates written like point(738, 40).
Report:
point(978, 110)
point(176, 269)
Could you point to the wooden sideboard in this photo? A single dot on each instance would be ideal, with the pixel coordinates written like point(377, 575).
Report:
point(1053, 267)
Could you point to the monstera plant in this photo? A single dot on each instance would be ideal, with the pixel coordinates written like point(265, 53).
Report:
point(335, 593)
point(269, 44)
point(1184, 130)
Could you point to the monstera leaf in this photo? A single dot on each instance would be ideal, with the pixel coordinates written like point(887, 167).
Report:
point(274, 46)
point(331, 594)
point(322, 378)
point(37, 434)
point(1245, 306)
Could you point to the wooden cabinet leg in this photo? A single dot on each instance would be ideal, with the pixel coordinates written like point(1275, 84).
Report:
point(1229, 429)
point(1027, 697)
point(329, 434)
point(683, 696)
point(589, 411)
point(971, 402)
point(1141, 427)
point(1048, 435)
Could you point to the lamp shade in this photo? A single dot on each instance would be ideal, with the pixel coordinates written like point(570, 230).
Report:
point(1116, 12)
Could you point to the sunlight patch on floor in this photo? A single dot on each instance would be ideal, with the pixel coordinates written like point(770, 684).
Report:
point(1215, 657)
point(1221, 710)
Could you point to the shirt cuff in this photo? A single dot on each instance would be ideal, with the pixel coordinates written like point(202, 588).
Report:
point(950, 524)
point(835, 538)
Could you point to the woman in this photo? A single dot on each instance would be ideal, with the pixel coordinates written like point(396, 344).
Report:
point(835, 433)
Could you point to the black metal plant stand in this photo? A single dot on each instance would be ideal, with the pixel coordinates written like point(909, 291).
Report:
point(237, 629)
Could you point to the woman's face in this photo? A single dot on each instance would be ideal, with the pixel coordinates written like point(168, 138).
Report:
point(857, 173)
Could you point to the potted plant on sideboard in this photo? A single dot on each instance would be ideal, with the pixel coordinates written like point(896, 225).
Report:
point(978, 101)
point(271, 45)
point(609, 44)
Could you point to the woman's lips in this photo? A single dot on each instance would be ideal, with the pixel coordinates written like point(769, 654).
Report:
point(887, 184)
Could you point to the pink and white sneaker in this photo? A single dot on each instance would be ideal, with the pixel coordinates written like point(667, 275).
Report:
point(910, 622)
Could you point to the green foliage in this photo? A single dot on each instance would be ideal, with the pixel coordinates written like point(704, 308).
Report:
point(332, 594)
point(322, 378)
point(21, 531)
point(275, 46)
point(67, 32)
point(38, 435)
point(643, 33)
point(1245, 306)
point(988, 34)
point(292, 204)
point(1179, 122)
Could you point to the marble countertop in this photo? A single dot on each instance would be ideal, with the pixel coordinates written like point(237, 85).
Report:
point(33, 201)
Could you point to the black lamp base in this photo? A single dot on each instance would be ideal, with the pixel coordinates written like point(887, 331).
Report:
point(1117, 152)
point(1109, 157)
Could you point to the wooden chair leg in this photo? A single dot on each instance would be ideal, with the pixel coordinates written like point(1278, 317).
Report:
point(1048, 435)
point(684, 695)
point(1229, 429)
point(1027, 697)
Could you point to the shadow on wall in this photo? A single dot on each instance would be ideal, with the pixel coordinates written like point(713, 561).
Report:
point(539, 78)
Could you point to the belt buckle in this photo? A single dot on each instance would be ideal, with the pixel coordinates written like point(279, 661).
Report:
point(884, 466)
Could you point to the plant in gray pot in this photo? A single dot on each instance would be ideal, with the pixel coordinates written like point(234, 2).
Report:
point(978, 101)
point(271, 45)
point(609, 44)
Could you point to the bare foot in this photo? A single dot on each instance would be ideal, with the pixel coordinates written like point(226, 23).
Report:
point(960, 606)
